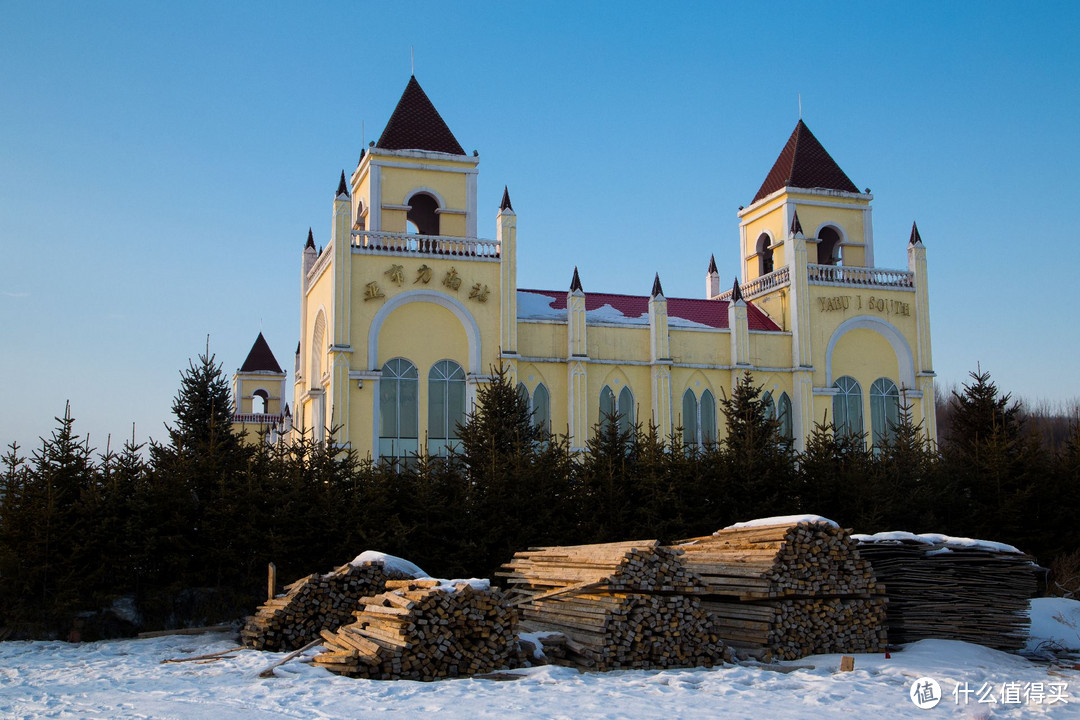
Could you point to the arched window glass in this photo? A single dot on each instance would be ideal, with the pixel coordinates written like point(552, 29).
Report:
point(765, 255)
point(398, 409)
point(422, 214)
point(847, 406)
point(542, 409)
point(828, 248)
point(884, 409)
point(626, 410)
point(784, 417)
point(523, 394)
point(607, 406)
point(770, 405)
point(446, 405)
point(690, 419)
point(708, 418)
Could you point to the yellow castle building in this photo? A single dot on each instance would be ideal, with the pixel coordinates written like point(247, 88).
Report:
point(407, 309)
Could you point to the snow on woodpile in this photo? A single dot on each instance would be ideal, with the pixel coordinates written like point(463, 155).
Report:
point(618, 605)
point(317, 602)
point(953, 588)
point(424, 630)
point(788, 587)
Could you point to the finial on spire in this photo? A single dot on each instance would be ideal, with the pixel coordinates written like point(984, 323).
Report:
point(342, 188)
point(915, 238)
point(575, 283)
point(736, 292)
point(656, 289)
point(712, 265)
point(505, 204)
point(310, 240)
point(796, 226)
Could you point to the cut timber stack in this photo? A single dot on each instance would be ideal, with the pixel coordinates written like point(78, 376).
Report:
point(311, 604)
point(789, 588)
point(953, 588)
point(619, 605)
point(424, 630)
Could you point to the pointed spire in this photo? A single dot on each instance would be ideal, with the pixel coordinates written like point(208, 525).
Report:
point(363, 152)
point(712, 266)
point(796, 226)
point(310, 240)
point(260, 358)
point(575, 283)
point(342, 188)
point(736, 292)
point(505, 204)
point(417, 125)
point(915, 238)
point(656, 289)
point(804, 163)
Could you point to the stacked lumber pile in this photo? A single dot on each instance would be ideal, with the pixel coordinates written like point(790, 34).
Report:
point(618, 605)
point(789, 587)
point(313, 603)
point(953, 588)
point(424, 630)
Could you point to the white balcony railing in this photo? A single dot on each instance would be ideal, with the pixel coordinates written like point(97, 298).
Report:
point(388, 242)
point(859, 276)
point(759, 286)
point(256, 418)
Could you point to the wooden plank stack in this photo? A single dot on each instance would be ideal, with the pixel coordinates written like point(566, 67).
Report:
point(424, 630)
point(789, 589)
point(619, 605)
point(954, 589)
point(311, 604)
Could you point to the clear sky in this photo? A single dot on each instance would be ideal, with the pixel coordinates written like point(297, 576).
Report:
point(160, 164)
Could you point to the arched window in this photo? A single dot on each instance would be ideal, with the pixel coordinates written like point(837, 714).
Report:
point(884, 409)
point(847, 406)
point(523, 395)
point(260, 400)
point(765, 255)
point(625, 407)
point(828, 248)
point(318, 348)
point(398, 406)
point(784, 417)
point(707, 417)
point(770, 405)
point(541, 406)
point(446, 405)
point(422, 214)
point(360, 222)
point(690, 426)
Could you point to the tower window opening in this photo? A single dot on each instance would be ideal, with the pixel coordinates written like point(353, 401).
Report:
point(422, 218)
point(828, 247)
point(260, 400)
point(764, 254)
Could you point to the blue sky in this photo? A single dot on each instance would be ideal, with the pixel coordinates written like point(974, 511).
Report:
point(160, 164)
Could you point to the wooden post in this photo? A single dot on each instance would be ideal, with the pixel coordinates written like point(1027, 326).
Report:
point(271, 580)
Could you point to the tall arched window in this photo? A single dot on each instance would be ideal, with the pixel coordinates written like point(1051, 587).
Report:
point(884, 409)
point(446, 405)
point(847, 406)
point(398, 409)
point(828, 247)
point(765, 255)
point(783, 409)
point(625, 407)
point(260, 400)
point(707, 416)
point(607, 406)
point(318, 349)
point(422, 214)
point(541, 406)
point(523, 395)
point(690, 425)
point(770, 405)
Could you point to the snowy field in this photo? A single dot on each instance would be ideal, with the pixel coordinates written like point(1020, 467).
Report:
point(126, 679)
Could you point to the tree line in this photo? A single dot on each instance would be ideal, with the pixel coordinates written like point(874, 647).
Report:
point(180, 532)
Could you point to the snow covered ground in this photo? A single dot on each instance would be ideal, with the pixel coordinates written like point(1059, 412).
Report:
point(126, 679)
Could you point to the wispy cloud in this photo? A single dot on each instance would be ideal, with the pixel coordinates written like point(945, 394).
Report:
point(16, 294)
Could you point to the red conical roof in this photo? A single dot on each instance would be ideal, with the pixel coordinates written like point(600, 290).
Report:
point(804, 163)
point(260, 359)
point(417, 125)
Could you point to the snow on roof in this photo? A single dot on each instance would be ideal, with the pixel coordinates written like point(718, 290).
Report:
point(782, 520)
point(946, 541)
point(613, 309)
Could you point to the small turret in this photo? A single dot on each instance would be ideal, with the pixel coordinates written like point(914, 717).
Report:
point(712, 279)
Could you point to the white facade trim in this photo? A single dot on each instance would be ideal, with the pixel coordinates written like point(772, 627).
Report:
point(905, 360)
point(468, 322)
